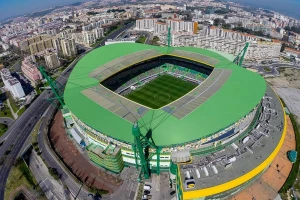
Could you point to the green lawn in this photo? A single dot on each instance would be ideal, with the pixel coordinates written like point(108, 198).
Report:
point(141, 39)
point(13, 103)
point(3, 128)
point(21, 175)
point(161, 91)
point(5, 112)
point(267, 69)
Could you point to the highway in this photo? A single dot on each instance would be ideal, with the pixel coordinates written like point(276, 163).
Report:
point(6, 120)
point(272, 67)
point(114, 34)
point(51, 158)
point(19, 131)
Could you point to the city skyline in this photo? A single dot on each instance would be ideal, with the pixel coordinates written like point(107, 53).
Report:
point(13, 8)
point(18, 7)
point(194, 99)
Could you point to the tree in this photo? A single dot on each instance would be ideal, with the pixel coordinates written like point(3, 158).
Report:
point(219, 21)
point(282, 47)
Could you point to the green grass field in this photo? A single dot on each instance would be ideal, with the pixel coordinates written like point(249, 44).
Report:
point(161, 91)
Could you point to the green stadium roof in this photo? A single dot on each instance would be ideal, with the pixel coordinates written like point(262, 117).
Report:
point(241, 92)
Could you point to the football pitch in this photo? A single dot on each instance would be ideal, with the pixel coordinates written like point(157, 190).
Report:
point(161, 91)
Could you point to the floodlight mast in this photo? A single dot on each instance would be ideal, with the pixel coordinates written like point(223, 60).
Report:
point(169, 36)
point(54, 87)
point(240, 57)
point(141, 152)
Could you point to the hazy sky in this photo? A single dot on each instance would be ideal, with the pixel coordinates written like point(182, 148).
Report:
point(288, 7)
point(16, 7)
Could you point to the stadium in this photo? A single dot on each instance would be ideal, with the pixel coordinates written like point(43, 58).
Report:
point(215, 126)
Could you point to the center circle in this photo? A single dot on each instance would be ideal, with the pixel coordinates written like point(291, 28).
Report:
point(162, 96)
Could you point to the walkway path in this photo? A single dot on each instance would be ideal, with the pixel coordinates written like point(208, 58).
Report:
point(25, 191)
point(12, 111)
point(6, 120)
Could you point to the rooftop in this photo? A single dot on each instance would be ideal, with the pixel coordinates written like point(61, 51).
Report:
point(243, 156)
point(220, 108)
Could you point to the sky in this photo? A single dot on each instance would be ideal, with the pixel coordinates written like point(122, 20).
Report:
point(10, 8)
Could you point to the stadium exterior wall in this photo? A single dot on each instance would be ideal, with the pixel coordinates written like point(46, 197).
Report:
point(239, 128)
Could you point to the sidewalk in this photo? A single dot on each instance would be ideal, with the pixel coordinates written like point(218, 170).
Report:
point(25, 191)
point(51, 187)
point(12, 111)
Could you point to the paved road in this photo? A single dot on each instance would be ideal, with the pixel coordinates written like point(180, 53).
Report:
point(51, 188)
point(18, 133)
point(6, 120)
point(273, 68)
point(115, 34)
point(50, 158)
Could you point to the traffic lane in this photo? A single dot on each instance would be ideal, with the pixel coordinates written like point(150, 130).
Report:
point(40, 172)
point(6, 120)
point(115, 34)
point(16, 132)
point(17, 141)
point(51, 160)
point(21, 123)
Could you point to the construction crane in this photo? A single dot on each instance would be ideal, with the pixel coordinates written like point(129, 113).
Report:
point(141, 147)
point(240, 57)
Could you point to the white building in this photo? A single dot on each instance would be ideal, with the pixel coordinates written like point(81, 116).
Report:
point(90, 37)
point(4, 46)
point(123, 40)
point(159, 27)
point(12, 84)
point(256, 51)
point(68, 47)
point(52, 61)
point(145, 24)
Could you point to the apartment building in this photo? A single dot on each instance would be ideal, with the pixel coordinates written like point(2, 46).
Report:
point(90, 37)
point(256, 51)
point(145, 24)
point(52, 61)
point(159, 27)
point(30, 70)
point(12, 84)
point(68, 47)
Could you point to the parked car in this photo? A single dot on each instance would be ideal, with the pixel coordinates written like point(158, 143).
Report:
point(147, 187)
point(146, 192)
point(145, 197)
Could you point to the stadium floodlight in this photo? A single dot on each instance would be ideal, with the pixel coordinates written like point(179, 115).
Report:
point(141, 151)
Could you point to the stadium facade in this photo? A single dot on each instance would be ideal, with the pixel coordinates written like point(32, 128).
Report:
point(215, 140)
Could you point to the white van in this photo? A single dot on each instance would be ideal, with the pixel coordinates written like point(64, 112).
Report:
point(147, 187)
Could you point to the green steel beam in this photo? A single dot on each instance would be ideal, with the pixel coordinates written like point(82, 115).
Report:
point(141, 150)
point(54, 86)
point(240, 57)
point(169, 36)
